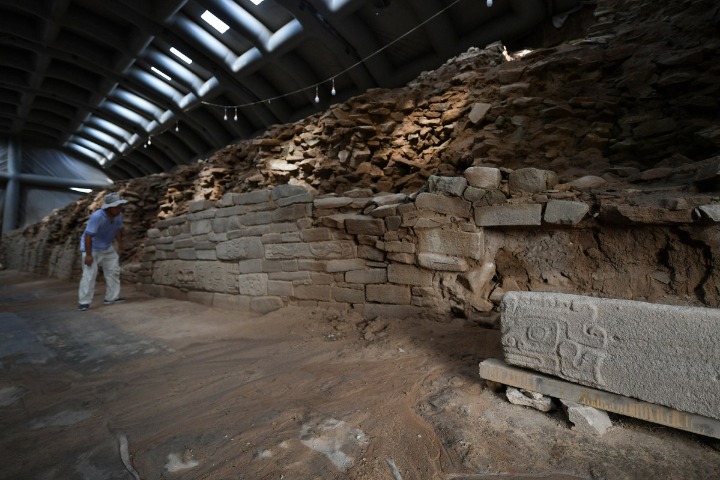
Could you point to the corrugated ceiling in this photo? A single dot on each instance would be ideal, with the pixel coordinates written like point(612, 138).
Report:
point(98, 79)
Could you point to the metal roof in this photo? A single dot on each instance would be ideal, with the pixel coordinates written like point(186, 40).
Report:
point(105, 81)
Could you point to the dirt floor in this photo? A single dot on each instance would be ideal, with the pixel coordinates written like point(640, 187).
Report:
point(201, 393)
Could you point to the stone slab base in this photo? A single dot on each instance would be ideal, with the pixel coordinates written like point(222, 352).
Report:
point(498, 371)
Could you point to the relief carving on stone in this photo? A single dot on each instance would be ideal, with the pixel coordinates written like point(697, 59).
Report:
point(185, 277)
point(280, 251)
point(215, 277)
point(320, 250)
point(566, 343)
point(331, 249)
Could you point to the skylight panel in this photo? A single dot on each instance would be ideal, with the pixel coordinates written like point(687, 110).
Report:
point(161, 73)
point(215, 22)
point(180, 55)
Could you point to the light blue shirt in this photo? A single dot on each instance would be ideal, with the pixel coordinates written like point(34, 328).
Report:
point(102, 230)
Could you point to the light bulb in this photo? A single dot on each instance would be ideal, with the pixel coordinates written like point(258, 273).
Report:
point(489, 3)
point(149, 140)
point(225, 116)
point(333, 91)
point(177, 126)
point(317, 97)
point(235, 117)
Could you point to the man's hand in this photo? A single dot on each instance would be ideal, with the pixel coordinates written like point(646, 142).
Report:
point(88, 259)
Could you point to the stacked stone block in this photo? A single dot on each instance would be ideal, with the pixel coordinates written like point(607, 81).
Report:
point(391, 254)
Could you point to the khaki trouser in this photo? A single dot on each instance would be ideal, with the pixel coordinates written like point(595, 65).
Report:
point(109, 260)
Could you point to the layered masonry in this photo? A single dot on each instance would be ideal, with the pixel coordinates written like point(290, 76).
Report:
point(663, 354)
point(438, 250)
point(452, 248)
point(391, 254)
point(268, 248)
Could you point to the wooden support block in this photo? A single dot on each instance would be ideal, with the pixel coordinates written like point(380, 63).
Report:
point(496, 370)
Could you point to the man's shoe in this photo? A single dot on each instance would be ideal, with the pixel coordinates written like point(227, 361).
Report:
point(83, 306)
point(117, 300)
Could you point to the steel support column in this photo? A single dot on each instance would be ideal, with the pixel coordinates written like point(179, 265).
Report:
point(12, 190)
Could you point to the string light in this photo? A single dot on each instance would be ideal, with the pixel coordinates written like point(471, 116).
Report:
point(333, 91)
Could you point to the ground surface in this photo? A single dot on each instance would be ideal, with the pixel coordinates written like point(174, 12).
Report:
point(201, 393)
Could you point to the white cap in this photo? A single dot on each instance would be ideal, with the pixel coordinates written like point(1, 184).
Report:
point(113, 200)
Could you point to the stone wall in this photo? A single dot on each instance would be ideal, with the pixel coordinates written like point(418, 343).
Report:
point(454, 247)
point(444, 249)
point(269, 248)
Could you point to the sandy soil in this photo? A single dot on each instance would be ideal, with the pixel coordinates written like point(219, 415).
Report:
point(301, 393)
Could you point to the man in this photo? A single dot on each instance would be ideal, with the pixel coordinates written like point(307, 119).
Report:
point(103, 227)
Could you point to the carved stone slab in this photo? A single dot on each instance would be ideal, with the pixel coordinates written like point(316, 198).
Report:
point(451, 242)
point(207, 276)
point(664, 354)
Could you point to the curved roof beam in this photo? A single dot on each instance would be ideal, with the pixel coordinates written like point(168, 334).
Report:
point(189, 136)
point(340, 7)
point(95, 147)
point(101, 138)
point(155, 83)
point(123, 170)
point(212, 47)
point(142, 163)
point(212, 126)
point(317, 26)
point(86, 152)
point(172, 148)
point(189, 37)
point(440, 31)
point(241, 21)
point(49, 131)
point(72, 68)
point(177, 71)
point(136, 102)
point(110, 128)
point(128, 114)
point(50, 32)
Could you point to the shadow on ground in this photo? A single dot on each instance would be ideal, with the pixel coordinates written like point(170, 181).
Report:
point(298, 393)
